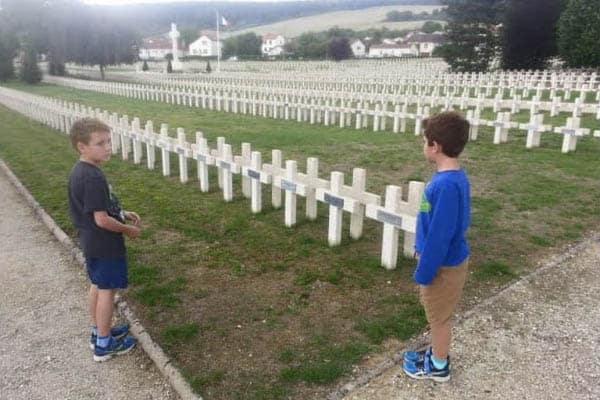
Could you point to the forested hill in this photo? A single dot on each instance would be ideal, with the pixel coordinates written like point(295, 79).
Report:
point(154, 18)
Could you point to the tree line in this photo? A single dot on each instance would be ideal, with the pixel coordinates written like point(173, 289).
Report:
point(521, 34)
point(63, 30)
point(333, 43)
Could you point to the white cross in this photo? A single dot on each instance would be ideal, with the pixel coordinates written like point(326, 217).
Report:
point(312, 181)
point(244, 161)
point(358, 192)
point(218, 153)
point(534, 128)
point(274, 169)
point(228, 167)
point(292, 187)
point(397, 215)
point(124, 132)
point(474, 123)
point(501, 126)
point(165, 145)
point(419, 117)
point(136, 138)
point(257, 177)
point(570, 133)
point(182, 148)
point(201, 154)
point(149, 138)
point(337, 204)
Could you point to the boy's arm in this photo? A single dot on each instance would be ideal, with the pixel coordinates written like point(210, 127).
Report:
point(105, 221)
point(441, 230)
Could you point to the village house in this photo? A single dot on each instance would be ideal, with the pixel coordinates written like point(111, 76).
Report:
point(393, 50)
point(358, 48)
point(425, 42)
point(272, 45)
point(206, 45)
point(157, 47)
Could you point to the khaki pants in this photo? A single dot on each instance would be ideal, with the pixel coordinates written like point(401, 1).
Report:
point(442, 295)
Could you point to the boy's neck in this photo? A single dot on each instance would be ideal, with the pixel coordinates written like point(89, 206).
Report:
point(86, 160)
point(447, 164)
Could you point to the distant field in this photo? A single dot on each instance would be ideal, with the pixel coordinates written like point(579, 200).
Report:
point(354, 19)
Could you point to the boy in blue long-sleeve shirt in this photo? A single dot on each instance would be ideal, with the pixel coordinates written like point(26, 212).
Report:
point(440, 243)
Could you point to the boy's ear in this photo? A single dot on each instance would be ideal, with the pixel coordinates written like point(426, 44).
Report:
point(80, 146)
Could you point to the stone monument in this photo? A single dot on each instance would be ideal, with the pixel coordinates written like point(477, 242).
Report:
point(174, 35)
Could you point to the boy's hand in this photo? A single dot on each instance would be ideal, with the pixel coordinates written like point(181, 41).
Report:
point(132, 231)
point(133, 217)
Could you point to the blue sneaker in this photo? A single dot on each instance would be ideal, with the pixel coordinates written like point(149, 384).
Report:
point(424, 369)
point(118, 332)
point(114, 348)
point(416, 355)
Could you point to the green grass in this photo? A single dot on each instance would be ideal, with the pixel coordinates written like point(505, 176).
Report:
point(250, 309)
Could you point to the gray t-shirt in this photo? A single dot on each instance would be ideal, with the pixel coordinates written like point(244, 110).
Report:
point(88, 192)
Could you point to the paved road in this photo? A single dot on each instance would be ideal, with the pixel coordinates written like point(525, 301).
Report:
point(44, 351)
point(538, 339)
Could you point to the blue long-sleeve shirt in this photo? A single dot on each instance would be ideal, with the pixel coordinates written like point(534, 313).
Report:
point(442, 223)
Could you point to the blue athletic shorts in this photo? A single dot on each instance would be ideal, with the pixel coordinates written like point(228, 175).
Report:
point(107, 273)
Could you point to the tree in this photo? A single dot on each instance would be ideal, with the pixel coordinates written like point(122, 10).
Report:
point(395, 16)
point(527, 45)
point(579, 33)
point(432, 26)
point(246, 46)
point(169, 66)
point(96, 41)
point(339, 49)
point(188, 35)
point(208, 68)
point(8, 50)
point(312, 45)
point(145, 66)
point(473, 41)
point(30, 71)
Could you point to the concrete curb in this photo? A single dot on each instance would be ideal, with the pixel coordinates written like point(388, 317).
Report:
point(551, 262)
point(154, 351)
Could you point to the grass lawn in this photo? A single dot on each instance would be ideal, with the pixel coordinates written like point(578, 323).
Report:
point(250, 309)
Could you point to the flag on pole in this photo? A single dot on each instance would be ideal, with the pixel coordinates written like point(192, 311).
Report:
point(224, 22)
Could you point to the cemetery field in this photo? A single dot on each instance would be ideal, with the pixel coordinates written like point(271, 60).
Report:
point(250, 309)
point(363, 19)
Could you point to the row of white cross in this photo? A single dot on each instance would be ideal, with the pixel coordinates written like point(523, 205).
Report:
point(406, 86)
point(199, 94)
point(571, 131)
point(364, 115)
point(396, 214)
point(375, 76)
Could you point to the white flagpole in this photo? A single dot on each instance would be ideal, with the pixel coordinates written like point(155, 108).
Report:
point(218, 49)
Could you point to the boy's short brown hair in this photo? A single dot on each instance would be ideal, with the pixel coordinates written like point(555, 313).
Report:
point(83, 128)
point(448, 129)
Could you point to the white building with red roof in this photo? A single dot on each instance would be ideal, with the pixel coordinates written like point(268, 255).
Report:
point(206, 45)
point(272, 44)
point(157, 47)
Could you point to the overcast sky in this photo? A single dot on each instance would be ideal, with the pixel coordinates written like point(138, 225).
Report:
point(117, 2)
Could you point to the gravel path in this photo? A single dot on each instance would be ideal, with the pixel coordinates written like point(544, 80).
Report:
point(44, 334)
point(538, 339)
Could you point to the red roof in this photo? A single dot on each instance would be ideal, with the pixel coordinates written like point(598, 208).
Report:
point(270, 36)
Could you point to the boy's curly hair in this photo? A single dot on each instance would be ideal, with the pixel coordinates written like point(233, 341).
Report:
point(83, 128)
point(448, 129)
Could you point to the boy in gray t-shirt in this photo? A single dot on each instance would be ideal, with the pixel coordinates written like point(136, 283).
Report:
point(100, 223)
